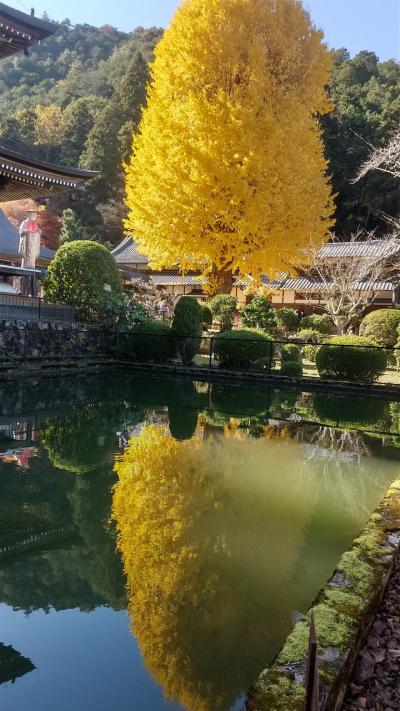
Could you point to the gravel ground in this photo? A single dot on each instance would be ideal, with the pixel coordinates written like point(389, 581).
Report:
point(375, 685)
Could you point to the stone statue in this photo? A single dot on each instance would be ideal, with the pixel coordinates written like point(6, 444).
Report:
point(29, 240)
point(29, 249)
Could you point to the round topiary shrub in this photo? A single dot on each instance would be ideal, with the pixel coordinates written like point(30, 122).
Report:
point(291, 369)
point(318, 322)
point(242, 348)
point(207, 315)
point(259, 314)
point(310, 352)
point(187, 328)
point(351, 358)
point(224, 308)
point(356, 412)
point(381, 326)
point(290, 352)
point(83, 273)
point(287, 320)
point(309, 335)
point(151, 341)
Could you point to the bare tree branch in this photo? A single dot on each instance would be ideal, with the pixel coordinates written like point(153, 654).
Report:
point(386, 160)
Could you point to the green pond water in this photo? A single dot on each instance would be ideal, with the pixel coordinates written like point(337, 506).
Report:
point(158, 538)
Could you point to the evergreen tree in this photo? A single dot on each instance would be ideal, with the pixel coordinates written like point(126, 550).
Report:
point(366, 94)
point(77, 124)
point(132, 90)
point(72, 228)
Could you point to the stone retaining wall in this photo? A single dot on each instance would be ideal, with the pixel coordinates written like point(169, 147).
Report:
point(343, 612)
point(30, 340)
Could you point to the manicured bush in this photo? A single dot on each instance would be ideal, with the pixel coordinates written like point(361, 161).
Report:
point(287, 320)
point(309, 335)
point(207, 315)
point(259, 314)
point(292, 369)
point(77, 276)
point(318, 322)
point(310, 352)
point(290, 352)
point(242, 348)
point(355, 411)
point(224, 308)
point(151, 341)
point(357, 360)
point(187, 328)
point(381, 326)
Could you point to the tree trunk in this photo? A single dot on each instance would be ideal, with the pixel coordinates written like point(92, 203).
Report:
point(222, 281)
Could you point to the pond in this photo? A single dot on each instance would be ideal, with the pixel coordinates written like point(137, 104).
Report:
point(158, 538)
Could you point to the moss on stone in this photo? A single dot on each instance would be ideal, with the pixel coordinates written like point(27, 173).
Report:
point(359, 573)
point(276, 692)
point(345, 602)
point(296, 645)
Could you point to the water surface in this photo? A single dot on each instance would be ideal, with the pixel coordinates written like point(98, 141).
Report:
point(170, 582)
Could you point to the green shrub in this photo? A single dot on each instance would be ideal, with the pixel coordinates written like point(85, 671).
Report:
point(259, 314)
point(381, 326)
point(187, 328)
point(77, 276)
point(239, 401)
point(309, 335)
point(287, 320)
point(151, 341)
point(292, 369)
point(223, 308)
point(357, 360)
point(310, 352)
point(207, 315)
point(290, 352)
point(242, 348)
point(357, 411)
point(318, 322)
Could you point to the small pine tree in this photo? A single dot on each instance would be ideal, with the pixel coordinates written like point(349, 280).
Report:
point(259, 314)
point(72, 228)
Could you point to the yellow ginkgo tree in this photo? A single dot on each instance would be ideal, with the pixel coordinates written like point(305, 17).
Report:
point(227, 173)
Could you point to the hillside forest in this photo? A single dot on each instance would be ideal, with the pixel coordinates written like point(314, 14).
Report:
point(77, 99)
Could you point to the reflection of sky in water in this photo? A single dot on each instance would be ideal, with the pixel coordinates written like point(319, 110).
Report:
point(263, 508)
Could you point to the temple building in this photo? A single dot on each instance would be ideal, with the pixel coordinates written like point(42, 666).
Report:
point(22, 177)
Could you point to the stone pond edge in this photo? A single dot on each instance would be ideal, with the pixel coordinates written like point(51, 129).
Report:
point(344, 612)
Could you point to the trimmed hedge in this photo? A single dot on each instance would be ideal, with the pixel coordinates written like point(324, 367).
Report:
point(187, 326)
point(259, 314)
point(287, 320)
point(358, 360)
point(310, 352)
point(290, 353)
point(152, 341)
point(381, 325)
point(318, 322)
point(242, 348)
point(78, 274)
point(292, 369)
point(224, 308)
point(310, 335)
point(207, 315)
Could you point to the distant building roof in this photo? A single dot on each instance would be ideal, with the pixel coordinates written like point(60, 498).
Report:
point(304, 284)
point(18, 30)
point(127, 253)
point(176, 280)
point(371, 248)
point(9, 241)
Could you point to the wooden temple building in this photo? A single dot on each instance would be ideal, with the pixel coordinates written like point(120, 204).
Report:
point(22, 177)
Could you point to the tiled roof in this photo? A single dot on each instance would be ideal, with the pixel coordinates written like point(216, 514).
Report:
point(176, 280)
point(9, 240)
point(372, 248)
point(127, 253)
point(304, 284)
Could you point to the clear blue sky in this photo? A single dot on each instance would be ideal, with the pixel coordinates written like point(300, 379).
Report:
point(355, 24)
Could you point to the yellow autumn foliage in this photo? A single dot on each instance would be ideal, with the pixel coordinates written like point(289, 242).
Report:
point(228, 171)
point(210, 534)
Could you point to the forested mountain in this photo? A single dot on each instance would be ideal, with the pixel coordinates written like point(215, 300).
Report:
point(77, 98)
